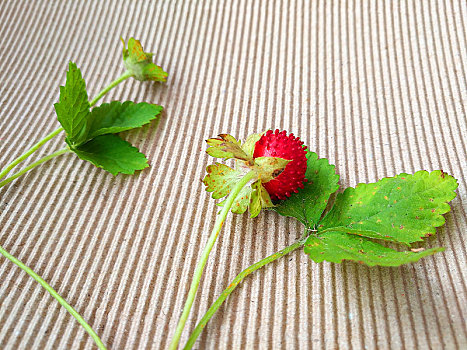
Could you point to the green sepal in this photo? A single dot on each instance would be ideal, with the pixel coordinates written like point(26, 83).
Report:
point(115, 117)
point(112, 154)
point(140, 63)
point(227, 147)
point(268, 168)
point(337, 246)
point(259, 199)
point(309, 203)
point(405, 208)
point(220, 179)
point(242, 202)
point(249, 145)
point(73, 106)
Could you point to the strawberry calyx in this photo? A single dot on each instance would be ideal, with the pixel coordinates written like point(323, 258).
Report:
point(278, 161)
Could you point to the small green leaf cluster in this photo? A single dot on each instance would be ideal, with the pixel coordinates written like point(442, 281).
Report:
point(221, 178)
point(140, 64)
point(90, 133)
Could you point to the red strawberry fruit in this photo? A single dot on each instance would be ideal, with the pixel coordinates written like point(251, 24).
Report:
point(278, 144)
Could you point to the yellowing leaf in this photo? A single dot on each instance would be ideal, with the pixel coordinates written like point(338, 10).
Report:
point(269, 168)
point(220, 179)
point(249, 145)
point(227, 147)
point(259, 199)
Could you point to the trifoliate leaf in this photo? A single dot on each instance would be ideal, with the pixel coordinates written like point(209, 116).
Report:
point(268, 168)
point(73, 107)
point(140, 64)
point(337, 246)
point(309, 203)
point(113, 154)
point(404, 208)
point(249, 145)
point(115, 117)
point(227, 147)
point(259, 199)
point(220, 179)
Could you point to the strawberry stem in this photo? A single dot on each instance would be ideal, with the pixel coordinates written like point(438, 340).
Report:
point(236, 281)
point(62, 301)
point(33, 165)
point(204, 256)
point(33, 149)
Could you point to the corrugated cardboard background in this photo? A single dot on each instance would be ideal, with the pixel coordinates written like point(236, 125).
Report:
point(378, 87)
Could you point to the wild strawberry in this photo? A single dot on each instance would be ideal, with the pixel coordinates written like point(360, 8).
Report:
point(278, 144)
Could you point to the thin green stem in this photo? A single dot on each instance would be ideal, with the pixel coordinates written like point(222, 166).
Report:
point(29, 152)
point(204, 256)
point(215, 306)
point(33, 165)
point(39, 144)
point(62, 301)
point(109, 87)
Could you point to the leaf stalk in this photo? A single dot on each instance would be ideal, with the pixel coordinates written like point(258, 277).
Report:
point(234, 284)
point(52, 292)
point(33, 165)
point(204, 256)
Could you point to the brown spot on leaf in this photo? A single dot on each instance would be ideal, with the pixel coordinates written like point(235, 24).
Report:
point(417, 250)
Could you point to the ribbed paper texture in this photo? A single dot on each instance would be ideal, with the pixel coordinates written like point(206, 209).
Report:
point(378, 87)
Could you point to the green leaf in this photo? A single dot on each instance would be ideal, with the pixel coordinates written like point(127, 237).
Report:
point(337, 246)
point(309, 203)
point(259, 199)
point(220, 179)
point(249, 145)
point(227, 147)
point(73, 106)
point(113, 154)
point(115, 117)
point(140, 64)
point(404, 208)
